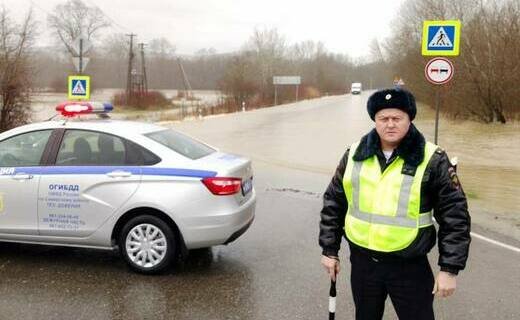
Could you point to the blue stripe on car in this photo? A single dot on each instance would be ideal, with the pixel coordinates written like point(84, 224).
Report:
point(177, 172)
point(152, 171)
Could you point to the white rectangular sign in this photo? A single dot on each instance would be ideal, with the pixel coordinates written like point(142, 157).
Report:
point(75, 61)
point(294, 80)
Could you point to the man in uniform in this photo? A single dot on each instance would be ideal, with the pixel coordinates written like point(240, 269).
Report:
point(386, 191)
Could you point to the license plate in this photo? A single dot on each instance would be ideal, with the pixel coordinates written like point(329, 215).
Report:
point(247, 186)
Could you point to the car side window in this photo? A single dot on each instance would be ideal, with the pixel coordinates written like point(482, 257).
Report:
point(80, 148)
point(138, 155)
point(24, 150)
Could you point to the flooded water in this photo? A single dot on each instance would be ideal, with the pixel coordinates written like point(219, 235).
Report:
point(488, 155)
point(489, 167)
point(43, 103)
point(312, 135)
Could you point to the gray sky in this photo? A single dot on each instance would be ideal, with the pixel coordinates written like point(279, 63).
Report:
point(344, 26)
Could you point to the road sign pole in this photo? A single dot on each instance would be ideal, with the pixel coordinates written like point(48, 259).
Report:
point(297, 86)
point(275, 96)
point(440, 38)
point(437, 102)
point(81, 56)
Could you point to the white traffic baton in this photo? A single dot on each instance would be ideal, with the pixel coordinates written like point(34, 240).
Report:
point(332, 300)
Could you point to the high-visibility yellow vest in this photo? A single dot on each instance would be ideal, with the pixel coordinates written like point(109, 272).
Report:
point(384, 207)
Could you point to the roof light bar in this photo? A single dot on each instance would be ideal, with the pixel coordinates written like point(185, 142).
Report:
point(74, 108)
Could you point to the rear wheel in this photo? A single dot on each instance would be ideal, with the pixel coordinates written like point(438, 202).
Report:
point(147, 244)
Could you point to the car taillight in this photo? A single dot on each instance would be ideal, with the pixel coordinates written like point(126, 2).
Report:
point(223, 186)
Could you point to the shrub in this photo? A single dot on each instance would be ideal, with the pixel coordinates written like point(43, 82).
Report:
point(144, 100)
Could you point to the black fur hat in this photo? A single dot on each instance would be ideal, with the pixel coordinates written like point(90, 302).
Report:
point(391, 98)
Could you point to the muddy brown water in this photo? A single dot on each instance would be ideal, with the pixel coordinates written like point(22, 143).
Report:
point(312, 135)
point(489, 167)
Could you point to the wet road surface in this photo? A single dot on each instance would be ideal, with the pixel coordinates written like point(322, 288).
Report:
point(273, 270)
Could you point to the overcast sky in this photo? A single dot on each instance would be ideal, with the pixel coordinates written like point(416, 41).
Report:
point(344, 26)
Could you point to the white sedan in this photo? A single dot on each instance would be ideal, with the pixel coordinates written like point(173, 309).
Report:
point(98, 183)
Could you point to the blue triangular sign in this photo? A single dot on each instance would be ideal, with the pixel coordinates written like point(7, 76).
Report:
point(79, 88)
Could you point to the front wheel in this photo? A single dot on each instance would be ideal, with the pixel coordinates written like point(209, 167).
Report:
point(147, 244)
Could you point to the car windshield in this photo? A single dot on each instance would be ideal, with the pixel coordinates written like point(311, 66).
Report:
point(180, 143)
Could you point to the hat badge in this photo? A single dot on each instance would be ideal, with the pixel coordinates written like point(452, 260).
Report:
point(388, 96)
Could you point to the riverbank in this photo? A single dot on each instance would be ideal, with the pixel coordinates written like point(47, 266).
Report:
point(488, 166)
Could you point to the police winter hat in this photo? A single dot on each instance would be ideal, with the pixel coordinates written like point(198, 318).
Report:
point(391, 98)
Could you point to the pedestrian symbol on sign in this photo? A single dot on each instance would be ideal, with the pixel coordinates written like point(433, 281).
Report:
point(79, 87)
point(440, 40)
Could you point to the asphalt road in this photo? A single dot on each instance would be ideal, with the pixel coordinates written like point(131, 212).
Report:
point(273, 270)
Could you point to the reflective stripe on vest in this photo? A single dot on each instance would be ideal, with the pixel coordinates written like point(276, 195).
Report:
point(394, 197)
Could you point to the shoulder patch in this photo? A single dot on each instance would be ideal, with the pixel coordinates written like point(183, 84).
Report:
point(455, 183)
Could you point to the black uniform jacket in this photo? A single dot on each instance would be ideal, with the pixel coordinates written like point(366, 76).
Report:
point(440, 191)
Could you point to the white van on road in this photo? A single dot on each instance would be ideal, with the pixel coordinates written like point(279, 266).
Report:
point(356, 88)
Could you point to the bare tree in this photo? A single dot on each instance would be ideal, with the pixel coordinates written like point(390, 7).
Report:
point(15, 69)
point(162, 48)
point(239, 82)
point(490, 62)
point(269, 48)
point(485, 85)
point(74, 18)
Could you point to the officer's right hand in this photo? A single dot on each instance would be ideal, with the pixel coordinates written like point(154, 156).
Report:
point(331, 265)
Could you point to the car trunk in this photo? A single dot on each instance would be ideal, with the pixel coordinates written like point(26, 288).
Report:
point(231, 166)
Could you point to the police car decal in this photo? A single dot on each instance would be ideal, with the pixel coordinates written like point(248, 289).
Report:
point(63, 221)
point(7, 171)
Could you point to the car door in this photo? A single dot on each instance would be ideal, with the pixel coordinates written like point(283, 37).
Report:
point(87, 183)
point(20, 171)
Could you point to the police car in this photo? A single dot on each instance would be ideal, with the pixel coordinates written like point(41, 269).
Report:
point(150, 191)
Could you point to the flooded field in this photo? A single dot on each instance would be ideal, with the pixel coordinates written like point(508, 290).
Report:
point(489, 167)
point(43, 103)
point(488, 155)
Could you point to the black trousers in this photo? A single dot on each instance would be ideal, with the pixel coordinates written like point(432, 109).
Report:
point(409, 283)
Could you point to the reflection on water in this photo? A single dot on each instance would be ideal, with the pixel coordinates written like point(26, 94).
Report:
point(40, 282)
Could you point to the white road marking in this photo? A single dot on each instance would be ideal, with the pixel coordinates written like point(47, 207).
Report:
point(495, 242)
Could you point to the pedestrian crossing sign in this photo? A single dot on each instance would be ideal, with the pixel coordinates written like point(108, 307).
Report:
point(441, 38)
point(79, 87)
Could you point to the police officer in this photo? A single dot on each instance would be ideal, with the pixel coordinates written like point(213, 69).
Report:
point(383, 196)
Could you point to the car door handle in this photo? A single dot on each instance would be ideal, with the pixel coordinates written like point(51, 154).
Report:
point(119, 174)
point(22, 176)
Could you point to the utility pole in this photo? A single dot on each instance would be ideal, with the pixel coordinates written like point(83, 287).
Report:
point(187, 86)
point(143, 69)
point(130, 65)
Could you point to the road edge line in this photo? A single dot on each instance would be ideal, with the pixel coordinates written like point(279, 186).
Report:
point(495, 242)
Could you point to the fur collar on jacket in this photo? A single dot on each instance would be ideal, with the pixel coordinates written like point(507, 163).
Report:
point(411, 148)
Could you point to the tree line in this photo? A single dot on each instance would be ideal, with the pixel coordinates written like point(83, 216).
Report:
point(484, 87)
point(487, 72)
